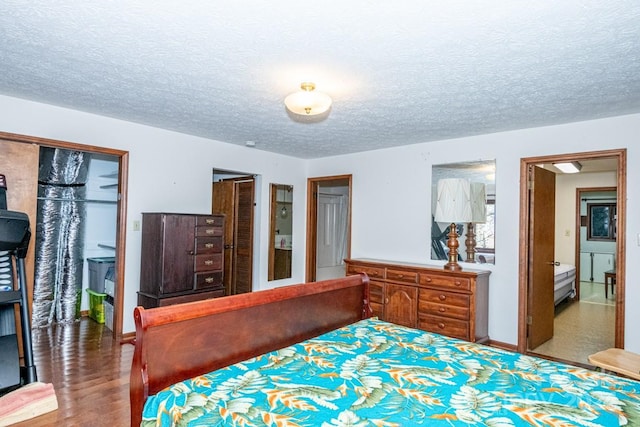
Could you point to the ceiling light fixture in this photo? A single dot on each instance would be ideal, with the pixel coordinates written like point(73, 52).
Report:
point(570, 167)
point(307, 101)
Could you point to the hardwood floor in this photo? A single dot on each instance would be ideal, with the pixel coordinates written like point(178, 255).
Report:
point(89, 372)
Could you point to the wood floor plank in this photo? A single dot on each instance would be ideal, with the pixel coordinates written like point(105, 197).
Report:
point(89, 372)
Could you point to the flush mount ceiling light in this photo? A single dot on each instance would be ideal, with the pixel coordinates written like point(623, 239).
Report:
point(570, 167)
point(307, 101)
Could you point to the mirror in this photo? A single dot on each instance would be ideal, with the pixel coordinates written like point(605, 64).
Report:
point(280, 235)
point(483, 251)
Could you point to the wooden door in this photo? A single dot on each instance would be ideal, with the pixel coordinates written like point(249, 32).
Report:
point(235, 199)
point(19, 164)
point(243, 237)
point(540, 307)
point(178, 249)
point(401, 305)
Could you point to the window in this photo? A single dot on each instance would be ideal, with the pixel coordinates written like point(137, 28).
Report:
point(601, 221)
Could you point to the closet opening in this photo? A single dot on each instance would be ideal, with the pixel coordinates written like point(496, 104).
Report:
point(75, 197)
point(75, 237)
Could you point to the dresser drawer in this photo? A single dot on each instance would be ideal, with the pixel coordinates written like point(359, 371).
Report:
point(402, 276)
point(208, 262)
point(461, 283)
point(445, 298)
point(211, 231)
point(205, 245)
point(209, 221)
point(206, 280)
point(445, 326)
point(372, 272)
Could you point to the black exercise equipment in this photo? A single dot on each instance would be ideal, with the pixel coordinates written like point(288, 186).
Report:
point(14, 242)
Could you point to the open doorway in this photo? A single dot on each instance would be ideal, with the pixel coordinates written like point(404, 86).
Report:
point(111, 167)
point(328, 226)
point(551, 235)
point(233, 195)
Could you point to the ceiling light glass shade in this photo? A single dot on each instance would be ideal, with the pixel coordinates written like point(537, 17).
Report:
point(308, 102)
point(571, 167)
point(454, 201)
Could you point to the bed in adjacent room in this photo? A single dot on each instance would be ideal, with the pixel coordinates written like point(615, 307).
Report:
point(311, 355)
point(564, 282)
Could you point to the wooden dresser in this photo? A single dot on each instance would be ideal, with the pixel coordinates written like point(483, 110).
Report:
point(182, 258)
point(428, 297)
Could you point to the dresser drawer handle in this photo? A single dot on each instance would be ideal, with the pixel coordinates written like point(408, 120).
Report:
point(457, 283)
point(442, 297)
point(208, 280)
point(208, 245)
point(401, 275)
point(441, 325)
point(208, 262)
point(429, 279)
point(442, 309)
point(210, 231)
point(210, 221)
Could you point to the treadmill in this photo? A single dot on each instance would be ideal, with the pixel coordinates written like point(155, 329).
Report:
point(14, 242)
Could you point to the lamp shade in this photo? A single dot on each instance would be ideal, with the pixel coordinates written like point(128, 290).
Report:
point(454, 201)
point(478, 203)
point(307, 101)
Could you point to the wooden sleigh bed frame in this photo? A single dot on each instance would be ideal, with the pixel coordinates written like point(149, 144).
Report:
point(178, 342)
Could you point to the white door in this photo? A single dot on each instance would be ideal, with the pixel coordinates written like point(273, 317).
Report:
point(331, 242)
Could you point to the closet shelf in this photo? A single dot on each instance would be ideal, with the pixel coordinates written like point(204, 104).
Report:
point(109, 186)
point(62, 199)
point(110, 175)
point(107, 246)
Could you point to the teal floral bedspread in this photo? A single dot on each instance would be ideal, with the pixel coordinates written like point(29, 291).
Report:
point(374, 373)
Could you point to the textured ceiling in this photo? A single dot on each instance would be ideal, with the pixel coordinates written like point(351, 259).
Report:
point(399, 72)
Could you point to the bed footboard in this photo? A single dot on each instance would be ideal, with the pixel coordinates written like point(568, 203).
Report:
point(178, 342)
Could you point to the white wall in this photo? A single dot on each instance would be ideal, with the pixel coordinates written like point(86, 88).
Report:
point(566, 185)
point(171, 172)
point(392, 193)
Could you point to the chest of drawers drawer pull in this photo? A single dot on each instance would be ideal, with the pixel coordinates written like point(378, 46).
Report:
point(208, 262)
point(442, 297)
point(208, 245)
point(442, 309)
point(210, 221)
point(208, 280)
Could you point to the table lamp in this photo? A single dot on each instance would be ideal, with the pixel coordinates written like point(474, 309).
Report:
point(454, 206)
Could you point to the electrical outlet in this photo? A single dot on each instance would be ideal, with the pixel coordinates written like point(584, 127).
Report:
point(136, 225)
point(567, 233)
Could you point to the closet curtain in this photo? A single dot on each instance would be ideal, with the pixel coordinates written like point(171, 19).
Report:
point(61, 212)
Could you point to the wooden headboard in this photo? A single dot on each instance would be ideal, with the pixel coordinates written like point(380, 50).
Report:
point(182, 341)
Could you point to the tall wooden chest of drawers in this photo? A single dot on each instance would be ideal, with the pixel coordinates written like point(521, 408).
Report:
point(455, 304)
point(182, 258)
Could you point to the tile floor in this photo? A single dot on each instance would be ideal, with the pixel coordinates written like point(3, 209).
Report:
point(584, 327)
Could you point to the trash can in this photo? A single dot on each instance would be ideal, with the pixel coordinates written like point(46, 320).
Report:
point(98, 268)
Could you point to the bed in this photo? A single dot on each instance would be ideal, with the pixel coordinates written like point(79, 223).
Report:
point(564, 282)
point(312, 355)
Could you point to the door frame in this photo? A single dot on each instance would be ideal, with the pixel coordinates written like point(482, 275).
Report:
point(312, 220)
point(121, 221)
point(620, 155)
